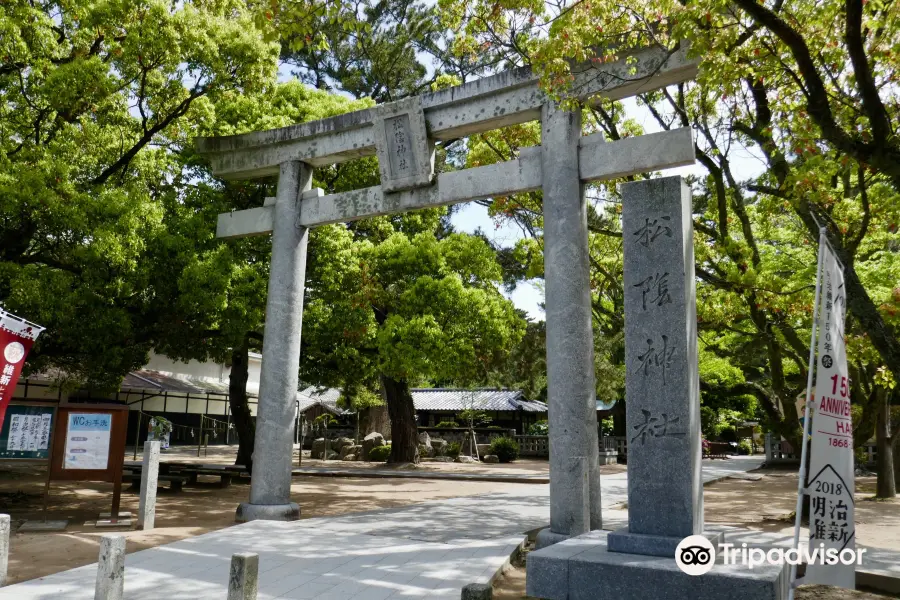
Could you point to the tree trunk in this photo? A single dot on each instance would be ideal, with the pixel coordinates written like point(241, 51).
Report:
point(886, 485)
point(895, 446)
point(618, 415)
point(240, 407)
point(404, 435)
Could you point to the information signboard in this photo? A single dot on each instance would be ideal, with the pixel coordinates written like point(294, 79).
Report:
point(87, 441)
point(26, 432)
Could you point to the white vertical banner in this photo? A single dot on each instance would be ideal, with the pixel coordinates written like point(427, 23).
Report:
point(831, 469)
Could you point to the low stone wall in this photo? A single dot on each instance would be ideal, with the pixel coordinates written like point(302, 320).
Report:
point(534, 445)
point(456, 434)
point(611, 448)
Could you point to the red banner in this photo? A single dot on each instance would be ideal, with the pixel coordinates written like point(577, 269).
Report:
point(16, 338)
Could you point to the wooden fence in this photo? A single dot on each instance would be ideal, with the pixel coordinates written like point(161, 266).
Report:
point(539, 445)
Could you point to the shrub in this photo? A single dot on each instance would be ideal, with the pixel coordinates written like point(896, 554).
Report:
point(745, 447)
point(539, 428)
point(860, 455)
point(446, 425)
point(453, 449)
point(380, 453)
point(506, 449)
point(728, 434)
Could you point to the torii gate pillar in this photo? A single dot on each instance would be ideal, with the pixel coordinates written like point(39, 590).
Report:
point(571, 396)
point(270, 486)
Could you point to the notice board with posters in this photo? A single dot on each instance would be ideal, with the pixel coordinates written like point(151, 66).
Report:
point(26, 432)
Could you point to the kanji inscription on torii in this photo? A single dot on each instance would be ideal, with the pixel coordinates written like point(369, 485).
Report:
point(405, 154)
point(402, 134)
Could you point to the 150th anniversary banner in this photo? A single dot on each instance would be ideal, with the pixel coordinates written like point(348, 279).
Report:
point(831, 482)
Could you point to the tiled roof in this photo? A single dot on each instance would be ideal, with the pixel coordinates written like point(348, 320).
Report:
point(155, 380)
point(436, 399)
point(326, 397)
point(460, 399)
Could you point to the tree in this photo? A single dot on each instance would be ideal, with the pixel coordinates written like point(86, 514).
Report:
point(359, 399)
point(812, 101)
point(407, 309)
point(525, 369)
point(91, 98)
point(376, 58)
point(108, 220)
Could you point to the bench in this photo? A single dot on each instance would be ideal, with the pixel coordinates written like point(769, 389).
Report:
point(718, 450)
point(223, 475)
point(176, 482)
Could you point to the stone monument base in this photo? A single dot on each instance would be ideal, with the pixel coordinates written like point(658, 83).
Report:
point(545, 538)
point(653, 545)
point(583, 568)
point(267, 512)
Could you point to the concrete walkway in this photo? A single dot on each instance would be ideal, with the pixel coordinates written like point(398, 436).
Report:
point(427, 550)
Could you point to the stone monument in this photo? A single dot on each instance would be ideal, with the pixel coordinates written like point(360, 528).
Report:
point(403, 135)
point(662, 381)
point(665, 490)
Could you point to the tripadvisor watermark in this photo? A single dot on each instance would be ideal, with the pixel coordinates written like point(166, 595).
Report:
point(695, 555)
point(755, 557)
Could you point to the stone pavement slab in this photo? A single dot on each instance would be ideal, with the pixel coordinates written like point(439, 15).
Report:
point(426, 550)
point(297, 560)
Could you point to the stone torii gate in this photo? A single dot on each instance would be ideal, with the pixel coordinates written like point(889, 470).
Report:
point(402, 135)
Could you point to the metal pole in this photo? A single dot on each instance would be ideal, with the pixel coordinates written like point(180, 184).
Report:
point(801, 483)
point(137, 435)
point(200, 436)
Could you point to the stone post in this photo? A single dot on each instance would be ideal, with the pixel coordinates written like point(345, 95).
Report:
point(243, 579)
point(111, 568)
point(4, 547)
point(574, 468)
point(662, 384)
point(477, 591)
point(149, 480)
point(270, 486)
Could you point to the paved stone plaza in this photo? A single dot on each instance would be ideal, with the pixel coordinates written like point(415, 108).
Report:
point(428, 550)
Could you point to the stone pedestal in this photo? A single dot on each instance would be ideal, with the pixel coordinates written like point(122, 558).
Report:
point(270, 485)
point(149, 478)
point(571, 394)
point(583, 568)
